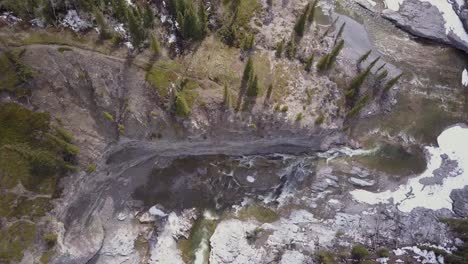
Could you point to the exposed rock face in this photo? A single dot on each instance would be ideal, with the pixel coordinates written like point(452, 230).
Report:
point(361, 182)
point(425, 20)
point(460, 201)
point(419, 18)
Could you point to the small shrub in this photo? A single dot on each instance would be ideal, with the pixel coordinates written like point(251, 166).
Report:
point(154, 46)
point(50, 239)
point(181, 106)
point(383, 253)
point(108, 116)
point(291, 48)
point(91, 168)
point(364, 57)
point(284, 109)
point(279, 49)
point(299, 117)
point(64, 49)
point(277, 107)
point(391, 83)
point(308, 63)
point(359, 252)
point(319, 120)
point(253, 235)
point(326, 257)
point(299, 27)
point(121, 128)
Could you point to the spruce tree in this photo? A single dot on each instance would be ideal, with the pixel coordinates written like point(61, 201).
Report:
point(308, 63)
point(391, 83)
point(202, 18)
point(135, 29)
point(268, 94)
point(323, 63)
point(312, 11)
point(279, 49)
point(253, 89)
point(291, 48)
point(181, 106)
point(226, 97)
point(101, 23)
point(121, 10)
point(299, 27)
point(334, 54)
point(148, 17)
point(154, 46)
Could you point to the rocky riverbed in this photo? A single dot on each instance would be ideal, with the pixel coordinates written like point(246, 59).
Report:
point(295, 178)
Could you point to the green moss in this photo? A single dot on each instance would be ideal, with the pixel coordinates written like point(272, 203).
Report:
point(13, 72)
point(91, 168)
point(50, 239)
point(359, 252)
point(15, 239)
point(395, 160)
point(161, 79)
point(326, 257)
point(108, 116)
point(202, 229)
point(383, 253)
point(64, 49)
point(46, 257)
point(260, 213)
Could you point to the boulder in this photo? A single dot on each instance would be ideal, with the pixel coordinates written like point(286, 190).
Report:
point(460, 201)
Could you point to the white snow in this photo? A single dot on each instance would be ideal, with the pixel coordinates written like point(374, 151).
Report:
point(372, 2)
point(172, 38)
point(453, 142)
point(157, 212)
point(427, 256)
point(73, 21)
point(452, 21)
point(250, 179)
point(130, 3)
point(465, 78)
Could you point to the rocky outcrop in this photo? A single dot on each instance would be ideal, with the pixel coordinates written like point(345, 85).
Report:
point(430, 21)
point(460, 201)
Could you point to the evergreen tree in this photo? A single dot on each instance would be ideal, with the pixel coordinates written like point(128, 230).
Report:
point(308, 63)
point(334, 54)
point(189, 23)
point(148, 17)
point(101, 23)
point(226, 97)
point(248, 71)
point(268, 94)
point(181, 106)
point(299, 27)
point(203, 18)
point(312, 11)
point(154, 46)
point(363, 57)
point(391, 83)
point(291, 48)
point(323, 62)
point(248, 42)
point(279, 49)
point(120, 9)
point(340, 32)
point(253, 89)
point(135, 29)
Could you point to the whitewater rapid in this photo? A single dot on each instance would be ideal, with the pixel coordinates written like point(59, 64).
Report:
point(454, 143)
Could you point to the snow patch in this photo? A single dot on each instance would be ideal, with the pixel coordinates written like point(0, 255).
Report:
point(72, 20)
point(452, 142)
point(465, 78)
point(157, 212)
point(250, 179)
point(452, 20)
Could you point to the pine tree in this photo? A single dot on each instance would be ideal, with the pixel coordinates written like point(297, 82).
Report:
point(189, 23)
point(391, 83)
point(227, 97)
point(135, 29)
point(279, 49)
point(181, 106)
point(253, 89)
point(323, 62)
point(268, 94)
point(248, 42)
point(291, 48)
point(202, 18)
point(334, 54)
point(312, 11)
point(308, 63)
point(148, 17)
point(299, 27)
point(340, 32)
point(101, 23)
point(154, 46)
point(248, 71)
point(363, 57)
point(121, 9)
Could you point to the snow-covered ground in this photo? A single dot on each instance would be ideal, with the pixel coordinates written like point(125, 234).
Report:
point(452, 21)
point(465, 78)
point(452, 142)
